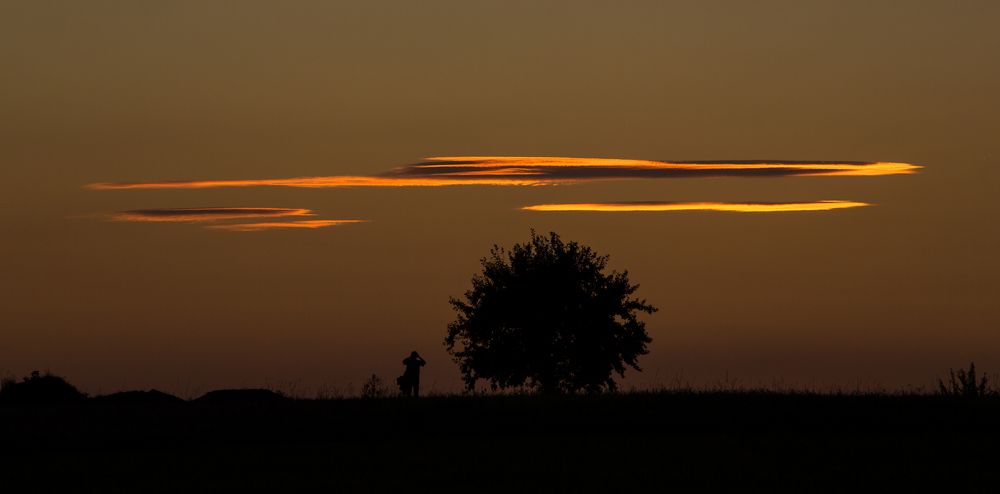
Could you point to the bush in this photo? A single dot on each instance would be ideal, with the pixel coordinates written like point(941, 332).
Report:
point(374, 388)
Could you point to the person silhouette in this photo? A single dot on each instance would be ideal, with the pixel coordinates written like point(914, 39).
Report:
point(411, 377)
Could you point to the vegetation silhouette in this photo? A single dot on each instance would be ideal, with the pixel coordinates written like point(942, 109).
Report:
point(39, 389)
point(374, 388)
point(544, 315)
point(409, 382)
point(965, 384)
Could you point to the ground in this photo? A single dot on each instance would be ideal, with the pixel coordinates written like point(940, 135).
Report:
point(669, 441)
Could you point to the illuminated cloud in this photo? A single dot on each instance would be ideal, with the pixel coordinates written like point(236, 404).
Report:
point(525, 171)
point(736, 207)
point(308, 224)
point(563, 170)
point(205, 214)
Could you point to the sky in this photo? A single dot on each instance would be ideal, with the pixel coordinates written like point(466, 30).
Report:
point(207, 194)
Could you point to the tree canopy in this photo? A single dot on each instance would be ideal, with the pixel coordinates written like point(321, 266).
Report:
point(545, 315)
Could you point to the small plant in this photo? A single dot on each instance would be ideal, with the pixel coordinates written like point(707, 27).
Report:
point(965, 384)
point(374, 387)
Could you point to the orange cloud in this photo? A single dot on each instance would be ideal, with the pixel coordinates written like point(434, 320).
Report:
point(528, 170)
point(313, 183)
point(465, 165)
point(309, 224)
point(205, 214)
point(749, 207)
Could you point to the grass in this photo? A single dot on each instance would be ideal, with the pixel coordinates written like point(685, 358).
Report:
point(967, 384)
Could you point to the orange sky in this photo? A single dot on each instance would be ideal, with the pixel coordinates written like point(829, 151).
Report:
point(190, 112)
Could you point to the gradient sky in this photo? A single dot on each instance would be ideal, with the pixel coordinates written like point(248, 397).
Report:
point(353, 278)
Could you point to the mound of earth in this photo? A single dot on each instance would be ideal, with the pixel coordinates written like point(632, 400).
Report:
point(241, 396)
point(151, 397)
point(39, 389)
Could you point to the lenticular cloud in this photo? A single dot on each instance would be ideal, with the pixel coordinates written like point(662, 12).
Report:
point(204, 214)
point(732, 207)
point(512, 171)
point(217, 215)
point(528, 170)
point(285, 225)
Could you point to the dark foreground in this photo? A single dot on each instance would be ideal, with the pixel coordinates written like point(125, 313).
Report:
point(634, 442)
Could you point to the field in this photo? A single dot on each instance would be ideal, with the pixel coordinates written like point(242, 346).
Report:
point(665, 441)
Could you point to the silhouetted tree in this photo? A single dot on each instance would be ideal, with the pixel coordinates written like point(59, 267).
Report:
point(546, 316)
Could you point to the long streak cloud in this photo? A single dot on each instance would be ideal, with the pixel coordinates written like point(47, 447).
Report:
point(195, 215)
point(215, 215)
point(529, 171)
point(301, 224)
point(745, 207)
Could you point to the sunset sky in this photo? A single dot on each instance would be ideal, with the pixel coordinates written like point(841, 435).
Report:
point(206, 194)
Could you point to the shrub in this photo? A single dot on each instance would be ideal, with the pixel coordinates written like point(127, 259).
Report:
point(374, 387)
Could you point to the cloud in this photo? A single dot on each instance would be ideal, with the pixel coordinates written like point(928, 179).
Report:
point(561, 170)
point(527, 171)
point(204, 214)
point(744, 207)
point(308, 224)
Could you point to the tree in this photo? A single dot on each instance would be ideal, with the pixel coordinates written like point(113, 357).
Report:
point(546, 316)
